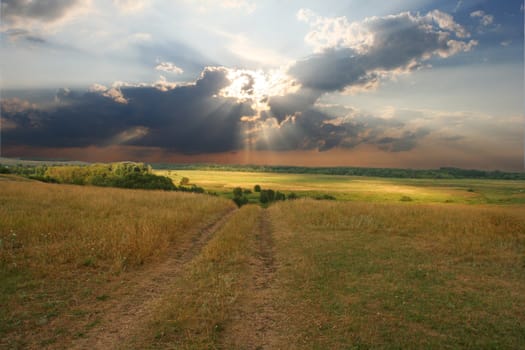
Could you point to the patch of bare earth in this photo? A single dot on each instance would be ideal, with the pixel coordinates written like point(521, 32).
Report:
point(254, 320)
point(124, 315)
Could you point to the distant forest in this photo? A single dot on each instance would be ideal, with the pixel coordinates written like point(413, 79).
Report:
point(26, 167)
point(441, 173)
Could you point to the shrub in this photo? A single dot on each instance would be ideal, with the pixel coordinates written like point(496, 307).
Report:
point(240, 201)
point(237, 192)
point(263, 197)
point(324, 197)
point(292, 196)
point(256, 188)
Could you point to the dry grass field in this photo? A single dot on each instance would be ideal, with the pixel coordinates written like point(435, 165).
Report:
point(61, 244)
point(98, 268)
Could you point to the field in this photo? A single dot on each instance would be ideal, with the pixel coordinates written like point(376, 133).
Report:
point(354, 188)
point(84, 267)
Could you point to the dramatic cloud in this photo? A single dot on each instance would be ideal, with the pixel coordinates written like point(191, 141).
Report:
point(484, 18)
point(359, 54)
point(186, 119)
point(230, 109)
point(169, 67)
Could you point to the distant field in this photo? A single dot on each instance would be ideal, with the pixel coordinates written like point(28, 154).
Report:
point(357, 188)
point(86, 267)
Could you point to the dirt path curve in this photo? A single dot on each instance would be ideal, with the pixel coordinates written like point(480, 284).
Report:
point(123, 317)
point(254, 320)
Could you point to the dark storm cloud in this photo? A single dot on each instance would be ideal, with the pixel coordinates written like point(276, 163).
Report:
point(393, 43)
point(188, 119)
point(43, 10)
point(320, 130)
point(288, 105)
point(329, 71)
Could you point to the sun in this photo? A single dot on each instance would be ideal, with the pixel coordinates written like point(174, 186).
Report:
point(257, 86)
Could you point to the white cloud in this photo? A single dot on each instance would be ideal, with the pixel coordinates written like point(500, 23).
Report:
point(506, 43)
point(485, 19)
point(337, 32)
point(113, 93)
point(169, 67)
point(446, 21)
point(326, 32)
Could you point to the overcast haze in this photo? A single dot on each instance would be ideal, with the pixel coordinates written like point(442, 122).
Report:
point(401, 83)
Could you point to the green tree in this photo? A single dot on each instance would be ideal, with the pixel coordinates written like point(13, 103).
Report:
point(256, 188)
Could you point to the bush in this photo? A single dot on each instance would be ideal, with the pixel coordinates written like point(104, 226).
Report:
point(263, 197)
point(237, 192)
point(144, 181)
point(256, 188)
point(240, 201)
point(324, 197)
point(406, 199)
point(292, 196)
point(4, 170)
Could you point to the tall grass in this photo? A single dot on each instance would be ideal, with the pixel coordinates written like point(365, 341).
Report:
point(63, 248)
point(44, 227)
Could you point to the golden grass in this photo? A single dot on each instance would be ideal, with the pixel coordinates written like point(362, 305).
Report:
point(46, 227)
point(363, 275)
point(63, 250)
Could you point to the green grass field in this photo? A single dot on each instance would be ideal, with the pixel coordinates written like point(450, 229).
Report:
point(353, 188)
point(83, 266)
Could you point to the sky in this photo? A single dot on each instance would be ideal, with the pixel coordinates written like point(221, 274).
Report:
point(400, 83)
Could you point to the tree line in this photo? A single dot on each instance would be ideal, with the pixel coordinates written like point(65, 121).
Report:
point(441, 173)
point(121, 174)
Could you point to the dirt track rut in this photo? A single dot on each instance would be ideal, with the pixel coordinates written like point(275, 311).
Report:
point(123, 317)
point(254, 319)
